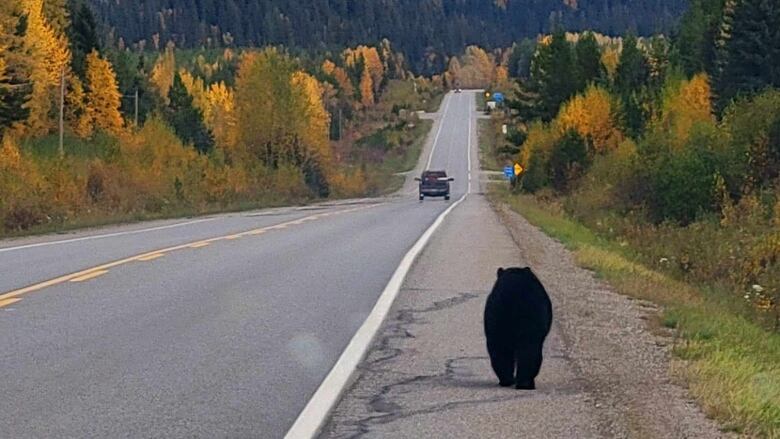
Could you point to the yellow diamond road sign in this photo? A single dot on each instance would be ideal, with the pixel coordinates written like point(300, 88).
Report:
point(518, 169)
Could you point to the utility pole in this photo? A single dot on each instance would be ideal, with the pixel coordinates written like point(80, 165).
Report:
point(134, 97)
point(62, 113)
point(340, 123)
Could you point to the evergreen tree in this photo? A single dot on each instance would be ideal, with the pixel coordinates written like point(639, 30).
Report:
point(15, 86)
point(186, 119)
point(132, 77)
point(519, 62)
point(631, 81)
point(568, 160)
point(589, 66)
point(694, 47)
point(82, 34)
point(552, 82)
point(750, 60)
point(633, 71)
point(418, 29)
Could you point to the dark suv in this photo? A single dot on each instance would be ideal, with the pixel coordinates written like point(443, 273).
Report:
point(434, 184)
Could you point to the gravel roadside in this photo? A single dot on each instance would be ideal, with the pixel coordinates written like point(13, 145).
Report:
point(625, 365)
point(427, 374)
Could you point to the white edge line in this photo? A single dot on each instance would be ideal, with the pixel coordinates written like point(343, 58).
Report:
point(441, 124)
point(468, 150)
point(107, 235)
point(317, 410)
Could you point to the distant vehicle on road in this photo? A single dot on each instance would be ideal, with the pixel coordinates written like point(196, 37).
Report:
point(457, 90)
point(434, 184)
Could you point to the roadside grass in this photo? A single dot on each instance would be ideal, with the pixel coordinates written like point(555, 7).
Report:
point(402, 148)
point(487, 146)
point(402, 94)
point(731, 365)
point(433, 103)
point(481, 102)
point(101, 146)
point(101, 219)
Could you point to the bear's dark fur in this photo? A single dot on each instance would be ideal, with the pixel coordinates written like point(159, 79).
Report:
point(518, 316)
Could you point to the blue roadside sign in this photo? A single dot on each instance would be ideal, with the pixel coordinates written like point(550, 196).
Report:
point(509, 172)
point(498, 97)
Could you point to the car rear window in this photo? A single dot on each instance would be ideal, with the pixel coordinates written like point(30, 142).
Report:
point(435, 175)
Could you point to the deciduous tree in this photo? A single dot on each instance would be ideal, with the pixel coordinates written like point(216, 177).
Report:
point(103, 97)
point(50, 58)
point(366, 89)
point(591, 116)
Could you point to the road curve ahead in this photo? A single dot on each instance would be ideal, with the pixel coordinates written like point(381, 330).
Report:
point(222, 326)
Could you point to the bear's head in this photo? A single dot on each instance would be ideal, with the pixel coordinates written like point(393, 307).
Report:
point(514, 271)
point(513, 275)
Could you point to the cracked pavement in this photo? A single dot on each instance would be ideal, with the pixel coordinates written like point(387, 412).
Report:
point(428, 374)
point(605, 374)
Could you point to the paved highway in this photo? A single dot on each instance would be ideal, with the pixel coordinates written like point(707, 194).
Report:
point(222, 326)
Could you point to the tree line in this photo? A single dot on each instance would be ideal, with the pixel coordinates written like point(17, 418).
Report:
point(426, 31)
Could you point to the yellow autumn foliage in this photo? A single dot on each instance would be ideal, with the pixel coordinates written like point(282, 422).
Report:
point(50, 59)
point(501, 81)
point(610, 57)
point(343, 81)
point(684, 105)
point(314, 113)
point(197, 89)
point(328, 67)
point(540, 141)
point(591, 115)
point(103, 96)
point(163, 72)
point(477, 68)
point(220, 116)
point(373, 63)
point(366, 89)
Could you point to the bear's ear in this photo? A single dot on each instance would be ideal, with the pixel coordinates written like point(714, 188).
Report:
point(500, 271)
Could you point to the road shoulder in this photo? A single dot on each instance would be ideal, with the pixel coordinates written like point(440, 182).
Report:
point(427, 374)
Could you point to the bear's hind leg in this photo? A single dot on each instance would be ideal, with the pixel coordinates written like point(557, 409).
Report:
point(529, 362)
point(503, 363)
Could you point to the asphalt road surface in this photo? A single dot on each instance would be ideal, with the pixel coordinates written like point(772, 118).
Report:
point(222, 326)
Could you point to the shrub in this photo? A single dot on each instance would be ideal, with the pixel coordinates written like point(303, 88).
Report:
point(568, 160)
point(535, 156)
point(754, 128)
point(683, 186)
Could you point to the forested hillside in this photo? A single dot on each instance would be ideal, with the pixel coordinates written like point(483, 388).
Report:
point(423, 29)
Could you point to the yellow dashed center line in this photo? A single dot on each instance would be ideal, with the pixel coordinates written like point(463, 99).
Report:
point(151, 257)
point(89, 276)
point(91, 273)
point(232, 237)
point(7, 302)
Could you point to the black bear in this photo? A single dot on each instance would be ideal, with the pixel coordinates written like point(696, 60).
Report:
point(518, 316)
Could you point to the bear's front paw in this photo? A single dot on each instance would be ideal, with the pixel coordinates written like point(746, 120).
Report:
point(505, 383)
point(530, 385)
